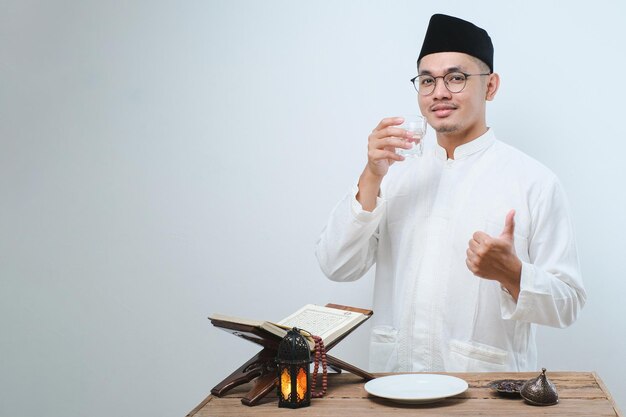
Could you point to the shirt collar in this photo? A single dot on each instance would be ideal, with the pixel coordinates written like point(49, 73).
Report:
point(480, 143)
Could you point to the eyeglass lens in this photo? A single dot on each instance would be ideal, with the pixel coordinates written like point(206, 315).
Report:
point(454, 82)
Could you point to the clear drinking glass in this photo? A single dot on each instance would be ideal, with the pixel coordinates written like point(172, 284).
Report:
point(417, 126)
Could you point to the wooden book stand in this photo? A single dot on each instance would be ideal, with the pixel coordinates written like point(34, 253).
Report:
point(262, 366)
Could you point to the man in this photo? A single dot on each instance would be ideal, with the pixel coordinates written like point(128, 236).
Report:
point(472, 242)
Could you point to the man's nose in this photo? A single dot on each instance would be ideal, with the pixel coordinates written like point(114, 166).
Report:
point(441, 91)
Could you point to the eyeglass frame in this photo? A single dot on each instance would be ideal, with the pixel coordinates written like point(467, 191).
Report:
point(443, 77)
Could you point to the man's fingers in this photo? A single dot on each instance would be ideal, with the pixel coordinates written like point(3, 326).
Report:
point(390, 132)
point(473, 245)
point(389, 138)
point(395, 132)
point(471, 266)
point(480, 237)
point(394, 143)
point(388, 121)
point(378, 154)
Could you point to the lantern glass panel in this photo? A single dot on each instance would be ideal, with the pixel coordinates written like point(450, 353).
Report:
point(301, 384)
point(285, 384)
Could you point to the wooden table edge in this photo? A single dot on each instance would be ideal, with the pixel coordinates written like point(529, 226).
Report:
point(200, 406)
point(608, 393)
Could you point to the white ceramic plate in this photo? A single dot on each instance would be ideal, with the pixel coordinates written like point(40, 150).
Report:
point(416, 388)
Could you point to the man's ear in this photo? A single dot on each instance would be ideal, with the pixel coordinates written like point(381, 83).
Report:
point(492, 86)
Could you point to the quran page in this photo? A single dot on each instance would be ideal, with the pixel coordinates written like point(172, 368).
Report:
point(328, 323)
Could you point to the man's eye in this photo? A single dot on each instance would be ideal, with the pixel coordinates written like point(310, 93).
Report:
point(427, 81)
point(456, 78)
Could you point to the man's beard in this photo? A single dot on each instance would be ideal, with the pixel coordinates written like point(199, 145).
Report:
point(446, 128)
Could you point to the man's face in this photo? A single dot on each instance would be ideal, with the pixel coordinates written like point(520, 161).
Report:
point(457, 114)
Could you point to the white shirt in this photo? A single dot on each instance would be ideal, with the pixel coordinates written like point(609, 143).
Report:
point(430, 312)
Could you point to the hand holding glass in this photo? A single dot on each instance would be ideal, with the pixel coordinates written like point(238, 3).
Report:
point(417, 126)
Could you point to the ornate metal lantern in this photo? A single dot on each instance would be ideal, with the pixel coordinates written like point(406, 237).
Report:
point(293, 359)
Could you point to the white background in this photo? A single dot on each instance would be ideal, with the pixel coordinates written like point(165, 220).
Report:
point(162, 161)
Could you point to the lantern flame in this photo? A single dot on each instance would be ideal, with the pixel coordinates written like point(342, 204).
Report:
point(285, 383)
point(301, 384)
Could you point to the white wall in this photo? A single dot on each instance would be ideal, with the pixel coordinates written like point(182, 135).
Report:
point(161, 161)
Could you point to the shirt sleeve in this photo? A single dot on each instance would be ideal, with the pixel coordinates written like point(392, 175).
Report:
point(551, 288)
point(346, 249)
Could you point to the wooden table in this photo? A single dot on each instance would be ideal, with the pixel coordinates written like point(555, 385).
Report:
point(580, 394)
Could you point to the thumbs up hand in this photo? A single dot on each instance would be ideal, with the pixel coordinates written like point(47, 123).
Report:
point(495, 258)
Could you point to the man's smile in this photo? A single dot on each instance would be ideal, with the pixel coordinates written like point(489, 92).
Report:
point(443, 110)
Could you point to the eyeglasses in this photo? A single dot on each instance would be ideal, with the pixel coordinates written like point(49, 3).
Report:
point(454, 82)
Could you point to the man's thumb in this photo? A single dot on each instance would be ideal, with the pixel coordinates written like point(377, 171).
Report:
point(509, 226)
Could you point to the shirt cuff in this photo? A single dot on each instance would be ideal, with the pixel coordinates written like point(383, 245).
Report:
point(512, 310)
point(365, 216)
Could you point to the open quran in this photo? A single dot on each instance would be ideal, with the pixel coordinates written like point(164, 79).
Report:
point(329, 322)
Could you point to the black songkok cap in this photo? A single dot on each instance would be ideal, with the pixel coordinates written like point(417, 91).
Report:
point(451, 34)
